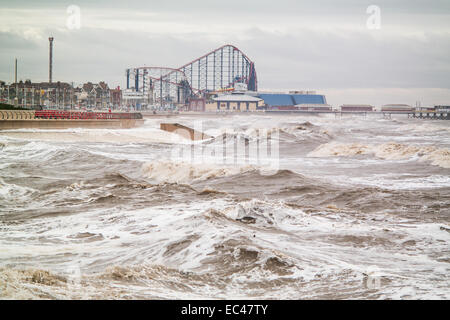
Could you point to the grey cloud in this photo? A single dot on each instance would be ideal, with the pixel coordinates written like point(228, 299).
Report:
point(14, 41)
point(303, 58)
point(308, 58)
point(293, 57)
point(249, 7)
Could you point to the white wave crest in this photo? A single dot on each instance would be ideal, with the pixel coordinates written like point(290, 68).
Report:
point(389, 151)
point(184, 172)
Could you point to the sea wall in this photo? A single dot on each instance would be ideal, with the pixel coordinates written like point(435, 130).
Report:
point(18, 119)
point(16, 115)
point(184, 131)
point(65, 124)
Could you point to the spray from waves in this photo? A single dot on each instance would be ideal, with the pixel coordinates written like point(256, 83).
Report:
point(11, 193)
point(29, 150)
point(286, 132)
point(440, 157)
point(31, 284)
point(260, 213)
point(298, 130)
point(282, 129)
point(389, 151)
point(184, 172)
point(424, 127)
point(40, 284)
point(24, 153)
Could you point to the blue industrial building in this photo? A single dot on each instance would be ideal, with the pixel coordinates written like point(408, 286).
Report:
point(309, 99)
point(277, 99)
point(287, 99)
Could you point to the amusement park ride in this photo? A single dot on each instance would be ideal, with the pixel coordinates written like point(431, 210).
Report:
point(217, 71)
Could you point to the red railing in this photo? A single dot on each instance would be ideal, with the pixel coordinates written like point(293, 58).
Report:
point(74, 115)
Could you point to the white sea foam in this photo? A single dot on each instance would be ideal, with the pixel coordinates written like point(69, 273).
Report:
point(397, 182)
point(30, 150)
point(389, 151)
point(310, 249)
point(11, 193)
point(425, 127)
point(137, 135)
point(184, 172)
point(161, 241)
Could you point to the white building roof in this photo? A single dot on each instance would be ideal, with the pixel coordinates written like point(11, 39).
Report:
point(356, 105)
point(397, 105)
point(236, 98)
point(312, 105)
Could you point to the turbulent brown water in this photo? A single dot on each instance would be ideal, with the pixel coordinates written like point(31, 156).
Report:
point(359, 209)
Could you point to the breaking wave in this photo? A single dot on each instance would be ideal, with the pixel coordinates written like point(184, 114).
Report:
point(138, 226)
point(184, 172)
point(301, 131)
point(389, 151)
point(287, 132)
point(424, 127)
point(29, 284)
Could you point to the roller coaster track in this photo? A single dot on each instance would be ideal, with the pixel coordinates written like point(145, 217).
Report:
point(219, 69)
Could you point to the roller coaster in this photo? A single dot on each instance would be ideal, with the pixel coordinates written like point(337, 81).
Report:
point(218, 70)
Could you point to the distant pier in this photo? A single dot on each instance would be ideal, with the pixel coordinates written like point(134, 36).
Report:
point(431, 115)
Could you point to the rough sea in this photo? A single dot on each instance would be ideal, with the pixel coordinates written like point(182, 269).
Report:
point(353, 208)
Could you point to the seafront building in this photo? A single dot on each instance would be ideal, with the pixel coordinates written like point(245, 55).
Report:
point(26, 94)
point(93, 96)
point(59, 95)
point(223, 80)
point(357, 108)
point(235, 102)
point(295, 100)
point(249, 101)
point(397, 108)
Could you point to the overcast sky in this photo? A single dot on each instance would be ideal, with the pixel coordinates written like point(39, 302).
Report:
point(306, 45)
